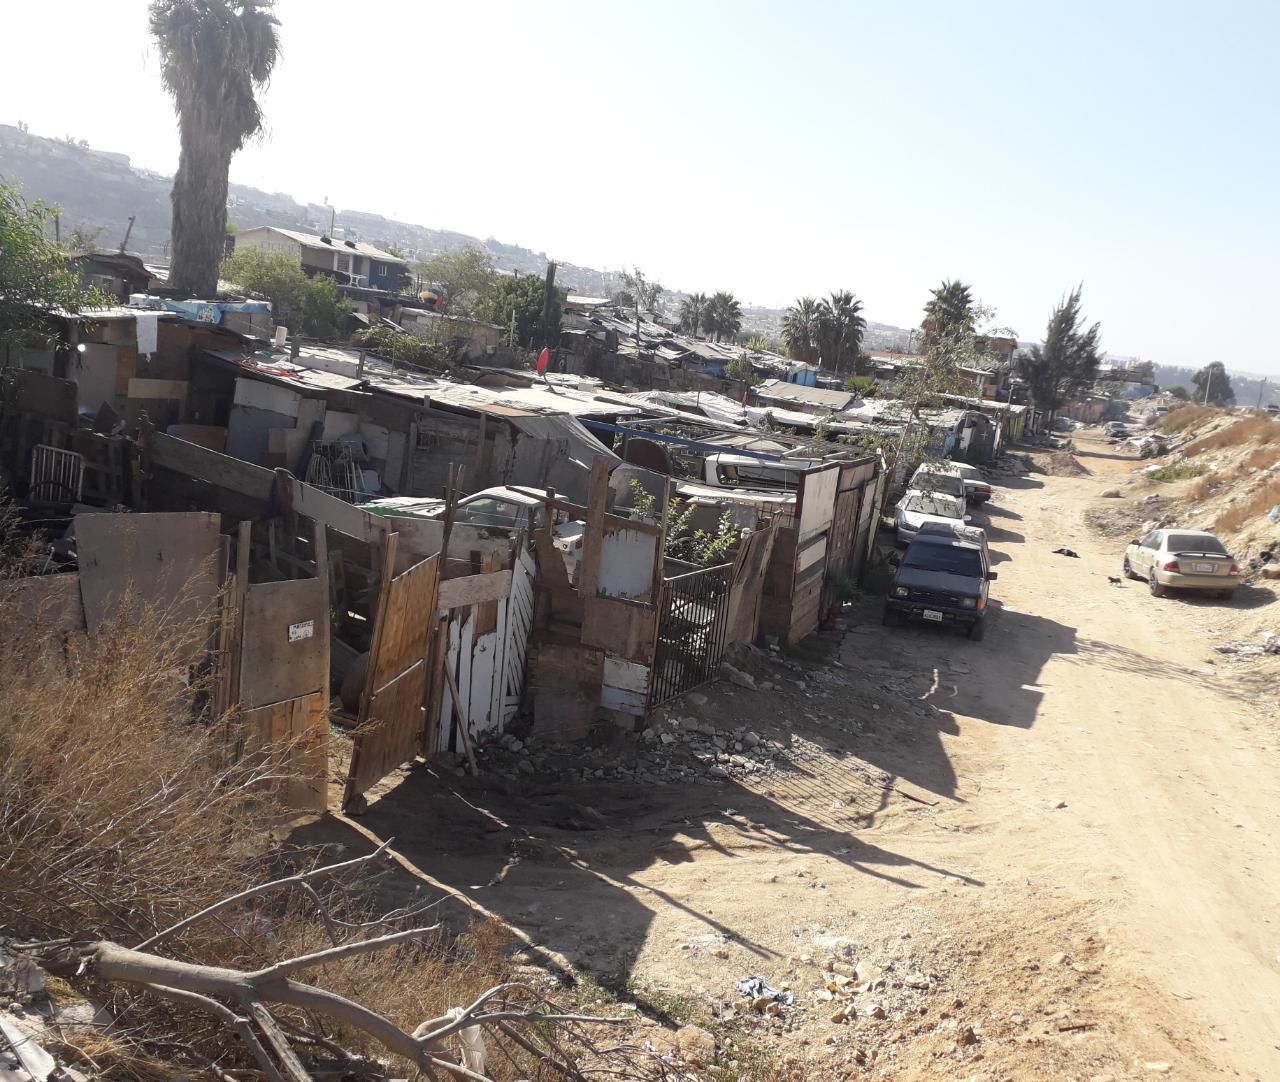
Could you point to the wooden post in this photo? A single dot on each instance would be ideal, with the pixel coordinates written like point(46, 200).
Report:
point(593, 541)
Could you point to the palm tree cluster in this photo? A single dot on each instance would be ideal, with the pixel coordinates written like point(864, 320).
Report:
point(950, 313)
point(826, 332)
point(215, 55)
point(718, 316)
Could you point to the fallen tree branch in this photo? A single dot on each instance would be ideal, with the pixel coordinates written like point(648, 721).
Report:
point(345, 950)
point(236, 1023)
point(261, 888)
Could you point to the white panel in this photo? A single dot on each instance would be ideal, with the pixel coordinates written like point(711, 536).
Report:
point(267, 396)
point(625, 675)
point(811, 554)
point(626, 565)
point(337, 423)
point(484, 673)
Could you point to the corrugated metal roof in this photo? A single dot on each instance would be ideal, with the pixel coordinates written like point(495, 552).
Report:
point(312, 240)
point(813, 396)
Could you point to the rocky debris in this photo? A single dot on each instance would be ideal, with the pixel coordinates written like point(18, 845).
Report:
point(737, 676)
point(1270, 644)
point(1112, 494)
point(696, 1046)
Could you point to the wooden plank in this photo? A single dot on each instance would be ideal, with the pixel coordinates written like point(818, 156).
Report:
point(457, 593)
point(817, 501)
point(158, 389)
point(593, 540)
point(165, 562)
point(625, 628)
point(625, 675)
point(51, 602)
point(293, 736)
point(286, 648)
point(626, 702)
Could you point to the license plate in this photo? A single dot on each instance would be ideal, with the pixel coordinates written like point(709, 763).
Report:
point(1204, 569)
point(932, 614)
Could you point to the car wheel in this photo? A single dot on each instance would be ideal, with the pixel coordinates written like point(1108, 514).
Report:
point(889, 618)
point(1128, 570)
point(1156, 589)
point(977, 630)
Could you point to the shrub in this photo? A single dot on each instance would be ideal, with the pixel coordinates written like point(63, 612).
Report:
point(862, 386)
point(1177, 471)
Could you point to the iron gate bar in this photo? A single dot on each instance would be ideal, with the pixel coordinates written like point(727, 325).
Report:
point(692, 624)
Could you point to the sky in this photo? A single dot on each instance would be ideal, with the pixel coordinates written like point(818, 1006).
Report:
point(774, 150)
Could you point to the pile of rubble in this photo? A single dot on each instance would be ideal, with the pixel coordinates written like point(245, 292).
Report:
point(32, 1024)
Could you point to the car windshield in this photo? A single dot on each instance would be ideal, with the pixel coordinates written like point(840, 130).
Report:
point(489, 511)
point(938, 482)
point(1191, 542)
point(949, 558)
point(930, 504)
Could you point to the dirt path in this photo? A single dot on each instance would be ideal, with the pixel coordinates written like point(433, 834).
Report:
point(1168, 772)
point(1057, 846)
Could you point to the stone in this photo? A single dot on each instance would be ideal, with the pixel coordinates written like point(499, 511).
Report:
point(966, 1035)
point(737, 676)
point(1056, 804)
point(696, 1045)
point(838, 1016)
point(1112, 494)
point(1271, 572)
point(751, 740)
point(1158, 1066)
point(873, 1010)
point(667, 738)
point(715, 770)
point(867, 972)
point(525, 766)
point(1057, 959)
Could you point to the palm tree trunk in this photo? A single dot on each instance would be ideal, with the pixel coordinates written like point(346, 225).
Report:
point(199, 213)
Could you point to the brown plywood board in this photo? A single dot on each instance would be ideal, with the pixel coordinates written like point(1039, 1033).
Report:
point(285, 650)
point(50, 601)
point(626, 629)
point(165, 561)
point(392, 732)
point(295, 734)
point(747, 587)
point(409, 611)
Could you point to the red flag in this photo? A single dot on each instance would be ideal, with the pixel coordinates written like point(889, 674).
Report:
point(544, 358)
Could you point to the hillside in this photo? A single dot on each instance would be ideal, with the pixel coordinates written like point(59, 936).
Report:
point(99, 190)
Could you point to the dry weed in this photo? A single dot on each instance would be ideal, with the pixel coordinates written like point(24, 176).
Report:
point(1185, 417)
point(1263, 458)
point(1254, 428)
point(1257, 505)
point(1205, 487)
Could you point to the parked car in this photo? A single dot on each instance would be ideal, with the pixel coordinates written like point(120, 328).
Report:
point(931, 477)
point(1182, 560)
point(1115, 429)
point(916, 508)
point(976, 489)
point(944, 578)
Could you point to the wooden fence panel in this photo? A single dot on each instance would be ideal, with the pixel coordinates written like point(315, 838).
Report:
point(391, 727)
point(296, 735)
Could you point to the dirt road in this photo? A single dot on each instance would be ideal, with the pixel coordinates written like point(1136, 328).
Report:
point(1057, 846)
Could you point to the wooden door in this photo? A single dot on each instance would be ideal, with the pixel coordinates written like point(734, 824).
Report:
point(392, 710)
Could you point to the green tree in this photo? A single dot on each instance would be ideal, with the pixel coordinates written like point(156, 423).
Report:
point(523, 295)
point(723, 317)
point(862, 386)
point(950, 312)
point(740, 369)
point(1067, 364)
point(1179, 392)
point(311, 306)
point(465, 273)
point(1213, 385)
point(642, 292)
point(35, 277)
point(840, 329)
point(691, 310)
point(214, 56)
point(802, 330)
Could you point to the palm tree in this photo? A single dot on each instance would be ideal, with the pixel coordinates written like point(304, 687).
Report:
point(801, 327)
point(691, 310)
point(840, 327)
point(214, 56)
point(723, 316)
point(949, 312)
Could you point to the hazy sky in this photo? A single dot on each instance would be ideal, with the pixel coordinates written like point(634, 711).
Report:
point(770, 149)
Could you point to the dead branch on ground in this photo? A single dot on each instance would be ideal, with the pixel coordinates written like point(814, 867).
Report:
point(513, 1018)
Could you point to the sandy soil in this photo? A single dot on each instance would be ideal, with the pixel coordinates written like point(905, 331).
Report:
point(1056, 848)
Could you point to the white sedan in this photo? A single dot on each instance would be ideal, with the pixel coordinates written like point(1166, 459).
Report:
point(1182, 560)
point(916, 508)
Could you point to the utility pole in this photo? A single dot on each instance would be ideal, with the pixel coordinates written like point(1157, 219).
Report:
point(125, 243)
point(1261, 388)
point(548, 300)
point(1208, 381)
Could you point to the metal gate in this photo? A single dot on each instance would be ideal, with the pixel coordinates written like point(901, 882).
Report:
point(692, 621)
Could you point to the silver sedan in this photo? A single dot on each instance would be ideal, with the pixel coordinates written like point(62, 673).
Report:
point(1182, 560)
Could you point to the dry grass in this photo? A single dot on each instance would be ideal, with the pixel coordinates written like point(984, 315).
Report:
point(1207, 486)
point(1240, 514)
point(1263, 458)
point(1254, 428)
point(1185, 417)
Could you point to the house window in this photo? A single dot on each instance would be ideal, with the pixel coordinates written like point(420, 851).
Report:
point(344, 264)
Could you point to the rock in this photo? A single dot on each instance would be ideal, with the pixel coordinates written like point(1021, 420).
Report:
point(1158, 1066)
point(667, 738)
point(843, 969)
point(715, 770)
point(695, 700)
point(525, 766)
point(696, 1045)
point(649, 736)
point(1057, 959)
point(1153, 498)
point(1271, 572)
point(761, 1002)
point(1112, 494)
point(737, 676)
point(966, 1035)
point(867, 972)
point(838, 1016)
point(873, 1010)
point(1056, 804)
point(751, 740)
